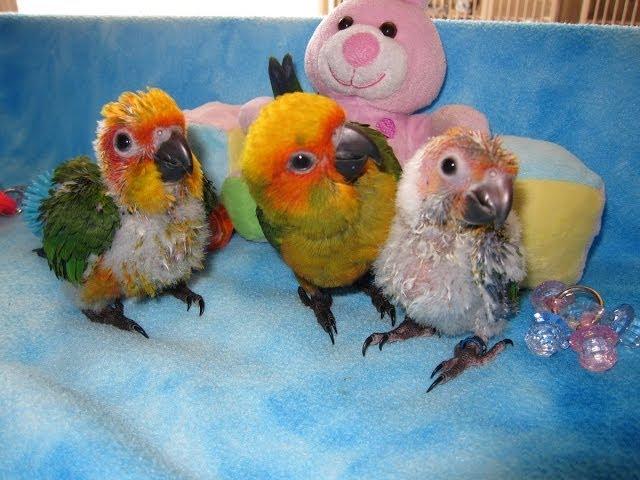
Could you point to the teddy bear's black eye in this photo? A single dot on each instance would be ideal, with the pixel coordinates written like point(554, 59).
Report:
point(448, 166)
point(389, 29)
point(346, 22)
point(123, 142)
point(301, 162)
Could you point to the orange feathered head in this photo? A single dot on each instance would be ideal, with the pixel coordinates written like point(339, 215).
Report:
point(300, 154)
point(143, 153)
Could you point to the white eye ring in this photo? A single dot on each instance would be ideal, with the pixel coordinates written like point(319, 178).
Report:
point(124, 143)
point(302, 162)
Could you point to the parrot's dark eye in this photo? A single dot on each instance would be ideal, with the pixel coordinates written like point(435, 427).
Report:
point(345, 23)
point(301, 162)
point(389, 29)
point(123, 142)
point(448, 166)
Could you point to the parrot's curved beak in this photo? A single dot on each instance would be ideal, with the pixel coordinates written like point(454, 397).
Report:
point(174, 158)
point(353, 149)
point(490, 200)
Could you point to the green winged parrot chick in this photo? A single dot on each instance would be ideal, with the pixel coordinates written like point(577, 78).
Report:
point(134, 224)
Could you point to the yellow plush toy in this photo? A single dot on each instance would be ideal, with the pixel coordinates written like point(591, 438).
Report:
point(560, 203)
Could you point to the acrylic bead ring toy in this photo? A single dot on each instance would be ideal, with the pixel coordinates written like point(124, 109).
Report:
point(563, 319)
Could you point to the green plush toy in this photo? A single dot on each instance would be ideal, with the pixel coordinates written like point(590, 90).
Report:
point(219, 144)
point(236, 197)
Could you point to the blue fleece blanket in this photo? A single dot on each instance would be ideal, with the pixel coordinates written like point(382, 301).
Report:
point(254, 388)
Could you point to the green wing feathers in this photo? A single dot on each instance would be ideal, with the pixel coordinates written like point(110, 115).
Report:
point(271, 233)
point(209, 197)
point(79, 218)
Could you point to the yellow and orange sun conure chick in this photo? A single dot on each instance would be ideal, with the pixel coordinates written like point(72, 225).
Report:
point(325, 191)
point(134, 224)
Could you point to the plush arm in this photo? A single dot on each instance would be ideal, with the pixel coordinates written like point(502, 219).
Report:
point(458, 116)
point(250, 110)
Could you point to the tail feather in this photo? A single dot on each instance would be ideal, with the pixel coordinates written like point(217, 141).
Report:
point(35, 193)
point(283, 76)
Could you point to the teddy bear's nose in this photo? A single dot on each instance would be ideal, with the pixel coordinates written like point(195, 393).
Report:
point(360, 49)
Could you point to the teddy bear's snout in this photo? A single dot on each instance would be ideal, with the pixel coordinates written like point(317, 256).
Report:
point(360, 49)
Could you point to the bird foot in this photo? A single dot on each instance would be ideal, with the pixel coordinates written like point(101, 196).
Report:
point(381, 303)
point(320, 302)
point(407, 329)
point(470, 352)
point(378, 299)
point(114, 315)
point(184, 293)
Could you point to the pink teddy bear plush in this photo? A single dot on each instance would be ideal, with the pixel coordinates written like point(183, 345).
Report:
point(382, 60)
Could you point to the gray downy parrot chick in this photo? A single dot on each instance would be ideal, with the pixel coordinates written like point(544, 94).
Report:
point(453, 259)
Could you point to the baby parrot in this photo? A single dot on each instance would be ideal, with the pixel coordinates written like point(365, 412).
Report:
point(134, 225)
point(453, 258)
point(324, 190)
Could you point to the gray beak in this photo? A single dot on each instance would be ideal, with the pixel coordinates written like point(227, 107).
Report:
point(490, 200)
point(353, 150)
point(174, 158)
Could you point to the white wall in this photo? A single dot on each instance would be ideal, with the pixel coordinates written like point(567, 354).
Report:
point(271, 8)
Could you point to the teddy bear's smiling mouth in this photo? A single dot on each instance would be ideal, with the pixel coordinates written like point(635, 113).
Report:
point(351, 84)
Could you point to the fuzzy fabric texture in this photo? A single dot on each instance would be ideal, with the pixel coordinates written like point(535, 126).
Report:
point(254, 389)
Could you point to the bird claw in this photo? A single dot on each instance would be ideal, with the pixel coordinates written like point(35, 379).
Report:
point(190, 299)
point(331, 336)
point(384, 307)
point(471, 351)
point(379, 301)
point(328, 323)
point(134, 326)
point(114, 315)
point(375, 339)
point(184, 293)
point(438, 368)
point(366, 344)
point(197, 298)
point(436, 382)
point(321, 305)
point(407, 329)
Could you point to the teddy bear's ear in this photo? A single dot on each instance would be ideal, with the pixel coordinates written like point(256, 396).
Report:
point(419, 3)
